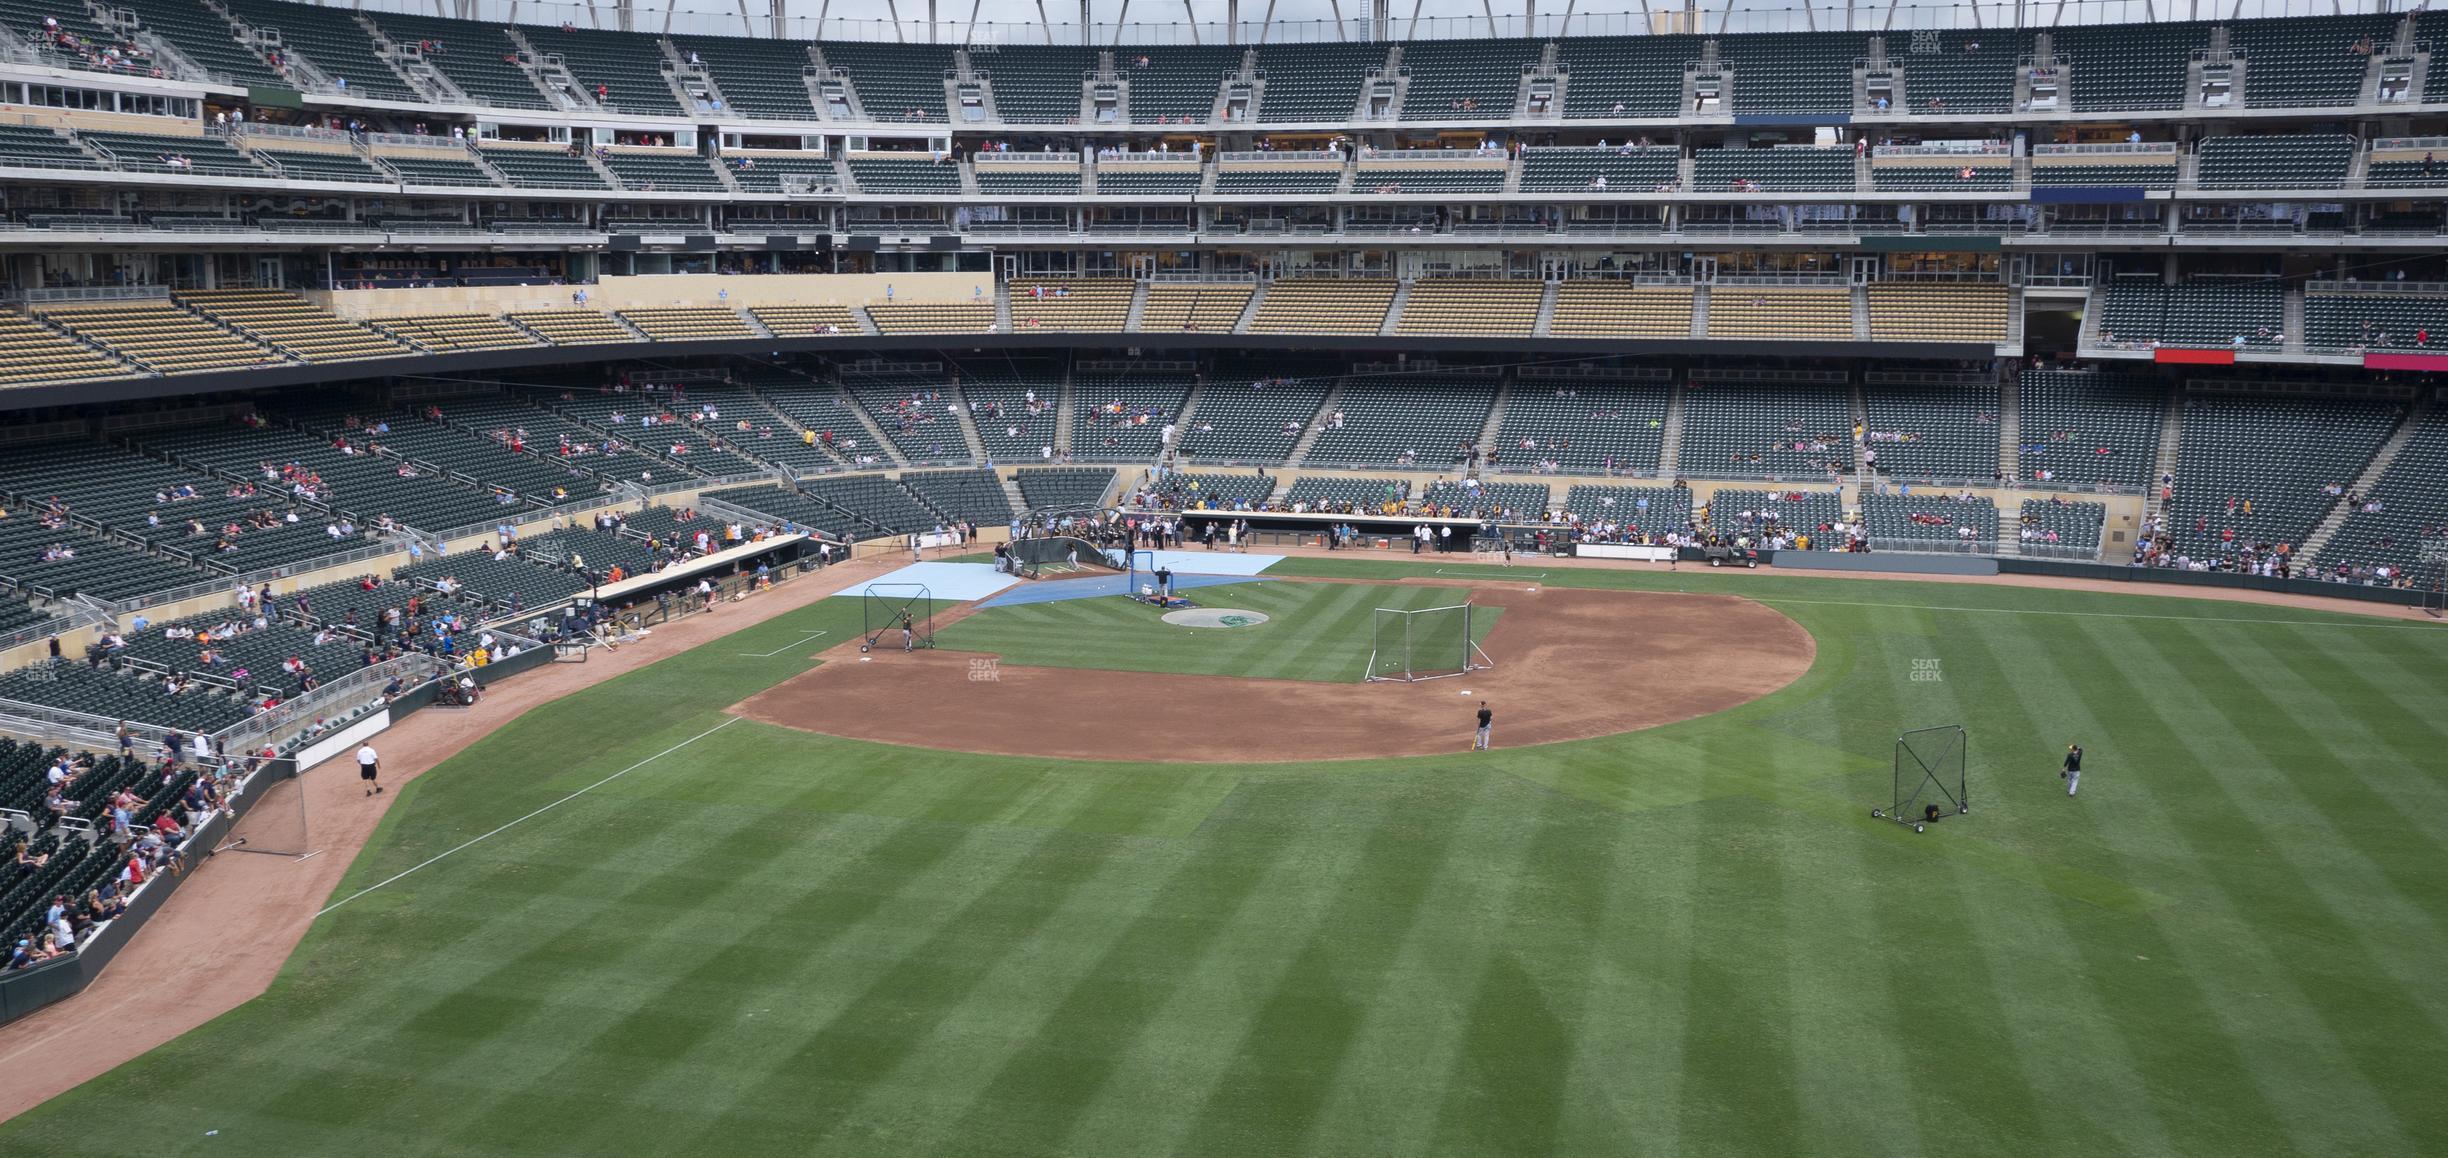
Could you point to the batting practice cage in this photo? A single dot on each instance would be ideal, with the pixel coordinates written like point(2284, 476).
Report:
point(1426, 644)
point(1929, 770)
point(883, 606)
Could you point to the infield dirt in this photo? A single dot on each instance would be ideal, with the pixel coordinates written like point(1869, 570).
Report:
point(1569, 665)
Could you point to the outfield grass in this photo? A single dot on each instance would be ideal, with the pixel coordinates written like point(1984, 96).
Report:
point(1314, 631)
point(1691, 940)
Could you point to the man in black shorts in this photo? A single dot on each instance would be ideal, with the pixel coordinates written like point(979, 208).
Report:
point(1487, 727)
point(369, 766)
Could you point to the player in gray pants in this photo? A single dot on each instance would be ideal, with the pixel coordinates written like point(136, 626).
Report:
point(2073, 768)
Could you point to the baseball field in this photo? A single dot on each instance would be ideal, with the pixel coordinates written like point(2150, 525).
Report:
point(750, 901)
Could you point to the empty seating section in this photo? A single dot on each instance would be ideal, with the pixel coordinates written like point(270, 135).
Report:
point(797, 321)
point(1595, 308)
point(288, 322)
point(429, 169)
point(2137, 171)
point(933, 317)
point(974, 496)
point(123, 695)
point(477, 59)
point(1036, 181)
point(628, 66)
point(1735, 513)
point(204, 37)
point(1503, 500)
point(1252, 421)
point(915, 412)
point(1180, 83)
point(2275, 454)
point(17, 614)
point(1286, 179)
point(1931, 522)
point(1922, 433)
point(1217, 491)
point(1423, 422)
point(1429, 179)
point(2233, 312)
point(501, 418)
point(1584, 427)
point(694, 445)
point(1766, 430)
point(1123, 416)
point(814, 407)
point(1621, 76)
point(331, 40)
point(2128, 66)
point(1324, 306)
point(2392, 169)
point(764, 79)
point(1170, 181)
point(1035, 84)
point(2080, 429)
point(1971, 174)
point(920, 175)
point(32, 147)
point(1465, 80)
point(1964, 72)
point(59, 562)
point(543, 168)
point(763, 173)
point(131, 493)
point(362, 486)
point(688, 324)
point(524, 471)
point(160, 336)
point(1780, 313)
point(2413, 498)
point(2375, 321)
point(1649, 510)
point(499, 584)
point(574, 327)
point(1314, 82)
point(155, 152)
point(1780, 169)
point(894, 82)
point(2305, 61)
point(1473, 307)
point(447, 333)
point(876, 501)
point(31, 352)
point(1793, 72)
point(301, 165)
point(1625, 170)
point(1016, 415)
point(1059, 488)
point(1205, 308)
point(2306, 162)
point(2055, 526)
point(663, 172)
point(1101, 305)
point(1937, 311)
point(804, 510)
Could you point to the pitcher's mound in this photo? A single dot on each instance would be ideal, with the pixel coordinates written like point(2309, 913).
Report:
point(1214, 617)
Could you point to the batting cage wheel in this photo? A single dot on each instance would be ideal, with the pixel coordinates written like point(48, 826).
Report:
point(1930, 771)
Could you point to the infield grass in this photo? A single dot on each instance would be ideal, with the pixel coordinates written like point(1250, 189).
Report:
point(1314, 631)
point(1687, 941)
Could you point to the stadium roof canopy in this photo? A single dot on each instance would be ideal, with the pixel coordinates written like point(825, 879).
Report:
point(1105, 22)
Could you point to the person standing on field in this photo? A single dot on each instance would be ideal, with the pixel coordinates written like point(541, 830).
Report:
point(2073, 768)
point(369, 765)
point(1487, 727)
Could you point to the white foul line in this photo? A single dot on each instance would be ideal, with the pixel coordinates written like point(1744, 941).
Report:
point(531, 816)
point(2098, 614)
point(785, 647)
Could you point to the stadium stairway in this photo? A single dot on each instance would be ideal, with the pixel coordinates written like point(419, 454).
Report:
point(1699, 311)
point(2010, 426)
point(1256, 299)
point(1011, 492)
point(1065, 415)
point(2171, 429)
point(968, 427)
point(1670, 451)
point(2367, 481)
point(1317, 426)
point(875, 434)
point(1138, 307)
point(1394, 309)
point(1861, 314)
point(1496, 414)
point(1003, 314)
point(1546, 311)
